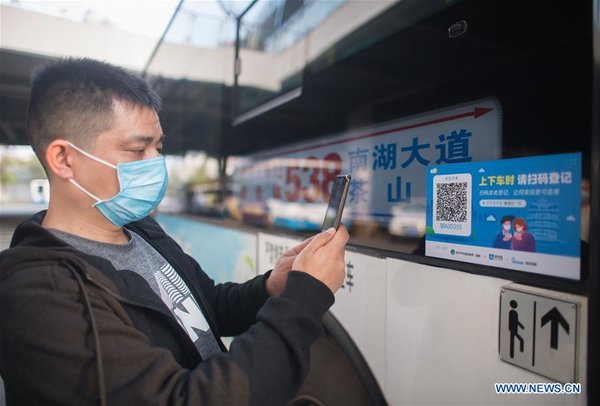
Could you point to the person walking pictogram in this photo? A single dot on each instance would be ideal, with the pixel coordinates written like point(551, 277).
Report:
point(513, 327)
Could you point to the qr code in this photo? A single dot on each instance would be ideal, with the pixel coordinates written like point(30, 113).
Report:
point(452, 202)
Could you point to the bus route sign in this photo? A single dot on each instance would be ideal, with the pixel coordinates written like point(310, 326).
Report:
point(386, 162)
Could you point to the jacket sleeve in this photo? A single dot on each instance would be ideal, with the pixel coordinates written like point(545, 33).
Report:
point(47, 355)
point(235, 305)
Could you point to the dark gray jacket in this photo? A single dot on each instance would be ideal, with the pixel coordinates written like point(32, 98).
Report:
point(58, 305)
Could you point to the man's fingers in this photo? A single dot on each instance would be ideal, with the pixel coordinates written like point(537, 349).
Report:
point(320, 239)
point(342, 235)
point(296, 250)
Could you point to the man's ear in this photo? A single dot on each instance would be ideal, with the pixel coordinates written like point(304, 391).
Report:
point(59, 157)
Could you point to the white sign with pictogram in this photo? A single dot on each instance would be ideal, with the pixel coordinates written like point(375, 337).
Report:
point(539, 333)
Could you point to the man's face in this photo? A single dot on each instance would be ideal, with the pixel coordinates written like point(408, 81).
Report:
point(506, 225)
point(135, 135)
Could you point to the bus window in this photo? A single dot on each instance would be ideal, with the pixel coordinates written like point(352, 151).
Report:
point(385, 108)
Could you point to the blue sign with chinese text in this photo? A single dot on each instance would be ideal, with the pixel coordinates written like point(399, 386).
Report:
point(386, 162)
point(522, 213)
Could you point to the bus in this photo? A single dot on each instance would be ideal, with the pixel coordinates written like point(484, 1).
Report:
point(471, 131)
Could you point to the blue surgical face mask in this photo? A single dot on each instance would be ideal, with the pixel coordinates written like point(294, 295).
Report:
point(142, 186)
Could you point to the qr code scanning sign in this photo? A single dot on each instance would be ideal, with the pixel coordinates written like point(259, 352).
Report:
point(519, 213)
point(452, 204)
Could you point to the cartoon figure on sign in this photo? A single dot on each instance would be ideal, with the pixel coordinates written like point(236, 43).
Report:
point(513, 327)
point(522, 240)
point(504, 236)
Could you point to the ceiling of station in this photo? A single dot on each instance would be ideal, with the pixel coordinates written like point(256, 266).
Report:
point(191, 122)
point(193, 98)
point(196, 82)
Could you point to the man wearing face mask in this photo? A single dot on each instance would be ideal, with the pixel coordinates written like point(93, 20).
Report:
point(99, 305)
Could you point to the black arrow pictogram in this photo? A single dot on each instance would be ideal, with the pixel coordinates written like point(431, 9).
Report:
point(555, 318)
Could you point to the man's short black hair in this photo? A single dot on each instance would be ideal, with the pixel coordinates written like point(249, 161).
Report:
point(73, 99)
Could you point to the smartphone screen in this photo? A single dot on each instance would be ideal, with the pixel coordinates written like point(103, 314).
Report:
point(337, 200)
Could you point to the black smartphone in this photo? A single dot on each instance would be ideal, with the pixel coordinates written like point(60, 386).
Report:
point(337, 199)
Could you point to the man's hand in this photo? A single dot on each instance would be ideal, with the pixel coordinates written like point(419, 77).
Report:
point(323, 257)
point(278, 278)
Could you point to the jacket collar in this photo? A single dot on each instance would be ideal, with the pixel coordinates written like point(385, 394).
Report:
point(31, 242)
point(31, 232)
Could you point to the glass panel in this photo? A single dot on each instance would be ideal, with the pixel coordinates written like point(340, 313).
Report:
point(199, 44)
point(387, 162)
point(191, 71)
point(278, 39)
point(273, 47)
point(441, 91)
point(203, 24)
